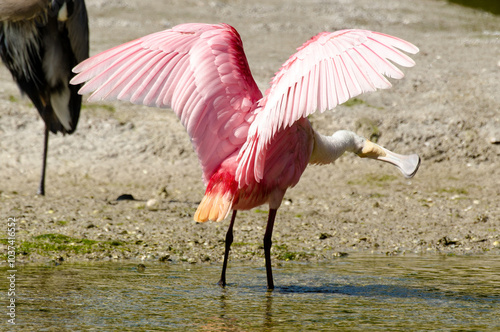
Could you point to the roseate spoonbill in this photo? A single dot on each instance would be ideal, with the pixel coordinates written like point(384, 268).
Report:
point(40, 42)
point(251, 147)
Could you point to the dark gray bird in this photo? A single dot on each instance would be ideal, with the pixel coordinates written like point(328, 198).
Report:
point(40, 42)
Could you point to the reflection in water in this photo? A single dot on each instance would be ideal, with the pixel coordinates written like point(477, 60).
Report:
point(268, 317)
point(352, 293)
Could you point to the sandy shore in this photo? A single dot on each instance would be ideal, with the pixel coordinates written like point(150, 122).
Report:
point(446, 109)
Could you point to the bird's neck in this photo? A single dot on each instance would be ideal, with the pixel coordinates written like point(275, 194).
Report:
point(329, 148)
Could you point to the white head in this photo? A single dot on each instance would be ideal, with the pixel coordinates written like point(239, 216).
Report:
point(328, 148)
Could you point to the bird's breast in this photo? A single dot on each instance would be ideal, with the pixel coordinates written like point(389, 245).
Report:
point(287, 156)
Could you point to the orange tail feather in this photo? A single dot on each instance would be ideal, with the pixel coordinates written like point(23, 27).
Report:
point(218, 199)
point(214, 207)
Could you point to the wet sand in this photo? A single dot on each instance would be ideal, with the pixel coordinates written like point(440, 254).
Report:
point(446, 109)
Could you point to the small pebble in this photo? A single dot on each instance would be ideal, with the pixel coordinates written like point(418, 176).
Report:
point(152, 204)
point(125, 197)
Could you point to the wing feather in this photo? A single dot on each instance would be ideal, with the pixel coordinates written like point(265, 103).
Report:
point(326, 71)
point(198, 70)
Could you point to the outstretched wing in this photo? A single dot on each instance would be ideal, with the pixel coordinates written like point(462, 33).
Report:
point(198, 70)
point(326, 71)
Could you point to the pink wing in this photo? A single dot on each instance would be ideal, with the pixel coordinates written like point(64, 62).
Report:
point(198, 70)
point(326, 71)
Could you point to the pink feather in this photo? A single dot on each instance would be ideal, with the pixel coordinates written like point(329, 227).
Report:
point(201, 72)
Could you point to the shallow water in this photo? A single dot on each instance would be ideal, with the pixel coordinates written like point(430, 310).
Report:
point(353, 293)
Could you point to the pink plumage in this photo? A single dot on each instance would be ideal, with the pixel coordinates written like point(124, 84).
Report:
point(201, 72)
point(198, 70)
point(326, 71)
point(251, 148)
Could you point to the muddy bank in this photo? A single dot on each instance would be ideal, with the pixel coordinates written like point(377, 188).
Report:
point(446, 109)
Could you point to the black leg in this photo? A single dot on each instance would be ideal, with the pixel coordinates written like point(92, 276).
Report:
point(267, 248)
point(41, 188)
point(229, 241)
